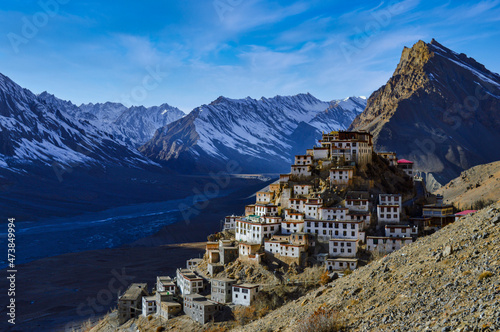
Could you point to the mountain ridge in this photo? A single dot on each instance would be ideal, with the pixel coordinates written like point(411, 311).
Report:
point(438, 109)
point(261, 132)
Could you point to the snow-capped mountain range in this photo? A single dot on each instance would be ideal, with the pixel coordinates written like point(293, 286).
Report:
point(133, 125)
point(44, 129)
point(260, 134)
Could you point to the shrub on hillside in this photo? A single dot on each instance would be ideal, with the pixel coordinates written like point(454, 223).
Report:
point(325, 278)
point(321, 320)
point(244, 315)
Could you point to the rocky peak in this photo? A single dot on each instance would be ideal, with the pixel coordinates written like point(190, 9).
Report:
point(431, 109)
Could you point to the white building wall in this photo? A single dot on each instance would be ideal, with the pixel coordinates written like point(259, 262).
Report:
point(386, 245)
point(388, 213)
point(243, 296)
point(332, 214)
point(327, 230)
point(401, 231)
point(311, 211)
point(292, 227)
point(342, 248)
point(340, 265)
point(299, 189)
point(357, 205)
point(148, 305)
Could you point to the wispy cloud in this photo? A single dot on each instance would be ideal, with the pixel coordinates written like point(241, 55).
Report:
point(258, 48)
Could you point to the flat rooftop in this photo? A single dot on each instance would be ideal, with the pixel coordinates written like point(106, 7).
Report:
point(134, 291)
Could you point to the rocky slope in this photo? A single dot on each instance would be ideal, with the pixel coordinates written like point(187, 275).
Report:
point(262, 135)
point(444, 282)
point(439, 109)
point(481, 182)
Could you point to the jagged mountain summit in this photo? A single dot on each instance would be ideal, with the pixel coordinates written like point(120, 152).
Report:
point(34, 130)
point(439, 109)
point(133, 125)
point(261, 135)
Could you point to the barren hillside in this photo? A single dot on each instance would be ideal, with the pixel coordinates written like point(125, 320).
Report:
point(444, 282)
point(478, 183)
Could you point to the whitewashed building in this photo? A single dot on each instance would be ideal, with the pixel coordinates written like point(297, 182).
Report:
point(301, 170)
point(284, 248)
point(262, 209)
point(297, 204)
point(333, 213)
point(357, 201)
point(255, 229)
point(148, 305)
point(311, 210)
point(401, 231)
point(189, 282)
point(363, 217)
point(390, 199)
point(388, 213)
point(302, 189)
point(293, 216)
point(247, 249)
point(292, 226)
point(165, 284)
point(341, 176)
point(329, 229)
point(341, 264)
point(303, 160)
point(222, 290)
point(407, 167)
point(230, 222)
point(385, 245)
point(199, 309)
point(265, 197)
point(343, 247)
point(244, 294)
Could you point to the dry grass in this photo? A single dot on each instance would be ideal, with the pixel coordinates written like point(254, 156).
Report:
point(485, 275)
point(321, 320)
point(244, 315)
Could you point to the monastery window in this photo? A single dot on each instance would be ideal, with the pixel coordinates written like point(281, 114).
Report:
point(353, 233)
point(345, 233)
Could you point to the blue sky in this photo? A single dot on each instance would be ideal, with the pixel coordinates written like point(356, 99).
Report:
point(187, 53)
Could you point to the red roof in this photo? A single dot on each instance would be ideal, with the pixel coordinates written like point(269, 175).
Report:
point(404, 161)
point(466, 212)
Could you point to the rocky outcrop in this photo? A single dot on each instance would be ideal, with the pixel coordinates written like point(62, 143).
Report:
point(439, 109)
